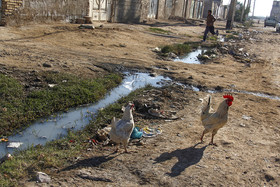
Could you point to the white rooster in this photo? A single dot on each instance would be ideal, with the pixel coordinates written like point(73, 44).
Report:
point(122, 129)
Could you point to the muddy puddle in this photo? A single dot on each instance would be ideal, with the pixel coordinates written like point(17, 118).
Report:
point(56, 126)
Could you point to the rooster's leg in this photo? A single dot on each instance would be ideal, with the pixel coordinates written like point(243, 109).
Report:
point(201, 138)
point(212, 139)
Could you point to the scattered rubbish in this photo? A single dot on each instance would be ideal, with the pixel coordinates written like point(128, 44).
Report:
point(43, 177)
point(86, 27)
point(136, 133)
point(52, 85)
point(4, 140)
point(165, 114)
point(77, 118)
point(151, 132)
point(246, 117)
point(203, 57)
point(103, 134)
point(14, 144)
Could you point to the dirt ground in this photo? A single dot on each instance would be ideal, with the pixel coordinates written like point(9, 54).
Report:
point(248, 151)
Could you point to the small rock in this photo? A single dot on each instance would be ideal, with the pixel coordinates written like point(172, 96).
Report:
point(6, 157)
point(268, 177)
point(157, 50)
point(47, 65)
point(43, 177)
point(153, 74)
point(172, 55)
point(218, 88)
point(242, 125)
point(122, 45)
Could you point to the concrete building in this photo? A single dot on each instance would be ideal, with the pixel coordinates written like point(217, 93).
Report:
point(275, 11)
point(217, 7)
point(133, 11)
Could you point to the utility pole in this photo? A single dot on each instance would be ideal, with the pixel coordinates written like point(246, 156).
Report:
point(230, 16)
point(254, 8)
point(242, 13)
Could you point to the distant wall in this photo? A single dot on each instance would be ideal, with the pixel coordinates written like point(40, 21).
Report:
point(54, 9)
point(129, 10)
point(208, 5)
point(40, 10)
point(7, 8)
point(275, 11)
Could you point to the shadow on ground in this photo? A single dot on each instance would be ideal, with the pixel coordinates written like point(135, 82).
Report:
point(90, 162)
point(186, 158)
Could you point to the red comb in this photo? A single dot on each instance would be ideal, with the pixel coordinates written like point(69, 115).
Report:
point(230, 97)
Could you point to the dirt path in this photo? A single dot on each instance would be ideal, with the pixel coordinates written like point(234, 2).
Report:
point(248, 146)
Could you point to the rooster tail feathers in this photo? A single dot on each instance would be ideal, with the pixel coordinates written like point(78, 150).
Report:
point(206, 102)
point(206, 106)
point(209, 100)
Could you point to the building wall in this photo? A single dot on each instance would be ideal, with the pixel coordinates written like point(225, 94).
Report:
point(128, 11)
point(30, 10)
point(134, 11)
point(208, 5)
point(215, 5)
point(275, 11)
point(7, 8)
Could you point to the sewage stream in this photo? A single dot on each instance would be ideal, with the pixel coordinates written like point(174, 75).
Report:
point(191, 58)
point(48, 129)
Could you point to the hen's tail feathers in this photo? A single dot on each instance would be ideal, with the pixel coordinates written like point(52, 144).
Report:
point(206, 106)
point(113, 122)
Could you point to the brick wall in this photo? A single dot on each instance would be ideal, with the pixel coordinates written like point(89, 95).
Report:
point(8, 7)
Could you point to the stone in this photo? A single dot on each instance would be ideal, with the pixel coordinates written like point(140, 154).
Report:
point(47, 65)
point(43, 177)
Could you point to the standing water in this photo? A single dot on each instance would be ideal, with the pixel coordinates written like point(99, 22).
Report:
point(75, 119)
point(191, 58)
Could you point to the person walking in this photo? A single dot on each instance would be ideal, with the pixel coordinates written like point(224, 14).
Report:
point(209, 25)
